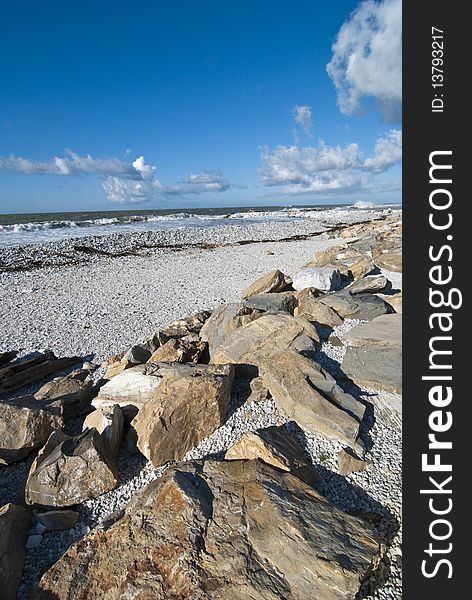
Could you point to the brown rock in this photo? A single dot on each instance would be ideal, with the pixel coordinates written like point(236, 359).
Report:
point(311, 309)
point(259, 391)
point(109, 424)
point(361, 267)
point(179, 350)
point(14, 524)
point(249, 345)
point(275, 281)
point(70, 470)
point(372, 285)
point(310, 396)
point(199, 531)
point(394, 300)
point(349, 462)
point(24, 425)
point(187, 325)
point(185, 409)
point(57, 520)
point(70, 395)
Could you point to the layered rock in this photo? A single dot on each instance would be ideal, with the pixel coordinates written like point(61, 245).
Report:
point(349, 462)
point(284, 302)
point(310, 308)
point(109, 424)
point(372, 284)
point(275, 281)
point(70, 470)
point(15, 521)
point(179, 350)
point(70, 395)
point(187, 407)
point(311, 397)
point(24, 425)
point(364, 307)
point(199, 531)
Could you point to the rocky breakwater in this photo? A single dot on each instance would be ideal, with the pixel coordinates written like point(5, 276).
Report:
point(252, 521)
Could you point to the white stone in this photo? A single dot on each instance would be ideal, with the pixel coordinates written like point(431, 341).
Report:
point(323, 279)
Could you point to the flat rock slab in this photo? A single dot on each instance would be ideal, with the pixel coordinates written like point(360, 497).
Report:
point(186, 408)
point(70, 394)
point(371, 284)
point(15, 521)
point(310, 308)
point(199, 532)
point(249, 345)
point(282, 302)
point(374, 356)
point(364, 307)
point(275, 281)
point(310, 396)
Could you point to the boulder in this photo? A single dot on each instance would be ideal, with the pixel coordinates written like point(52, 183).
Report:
point(371, 284)
point(70, 470)
point(388, 255)
point(361, 267)
point(199, 532)
point(320, 278)
point(15, 521)
point(374, 356)
point(70, 395)
point(310, 308)
point(25, 424)
point(364, 307)
point(185, 409)
point(274, 302)
point(129, 389)
point(308, 395)
point(57, 520)
point(223, 321)
point(394, 300)
point(249, 345)
point(275, 281)
point(349, 462)
point(179, 350)
point(187, 325)
point(109, 424)
point(277, 447)
point(259, 391)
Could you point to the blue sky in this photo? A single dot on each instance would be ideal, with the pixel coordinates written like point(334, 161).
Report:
point(122, 105)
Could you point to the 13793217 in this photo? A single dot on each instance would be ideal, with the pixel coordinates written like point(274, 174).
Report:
point(437, 69)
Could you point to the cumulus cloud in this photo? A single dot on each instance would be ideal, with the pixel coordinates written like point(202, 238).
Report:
point(366, 59)
point(303, 118)
point(70, 164)
point(328, 168)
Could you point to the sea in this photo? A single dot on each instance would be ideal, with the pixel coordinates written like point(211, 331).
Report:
point(19, 229)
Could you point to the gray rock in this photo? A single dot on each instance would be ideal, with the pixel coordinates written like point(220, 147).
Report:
point(310, 308)
point(71, 394)
point(284, 302)
point(371, 284)
point(349, 462)
point(57, 520)
point(109, 424)
point(364, 307)
point(33, 541)
point(320, 278)
point(15, 521)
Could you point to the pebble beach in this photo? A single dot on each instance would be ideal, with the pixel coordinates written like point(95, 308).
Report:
point(96, 296)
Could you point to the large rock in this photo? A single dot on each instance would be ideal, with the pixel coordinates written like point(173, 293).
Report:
point(70, 394)
point(109, 424)
point(364, 307)
point(228, 530)
point(224, 320)
point(349, 462)
point(371, 284)
point(25, 424)
point(191, 324)
point(282, 302)
point(320, 278)
point(179, 350)
point(70, 470)
point(186, 408)
point(374, 356)
point(249, 345)
point(15, 521)
point(308, 395)
point(276, 447)
point(394, 300)
point(275, 281)
point(310, 308)
point(130, 389)
point(57, 520)
point(387, 254)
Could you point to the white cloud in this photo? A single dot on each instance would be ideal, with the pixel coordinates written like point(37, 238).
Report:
point(328, 168)
point(303, 118)
point(70, 164)
point(367, 57)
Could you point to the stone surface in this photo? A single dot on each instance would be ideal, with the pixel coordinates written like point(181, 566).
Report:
point(310, 397)
point(394, 300)
point(70, 470)
point(371, 284)
point(250, 344)
point(361, 267)
point(57, 520)
point(320, 278)
point(199, 532)
point(70, 394)
point(310, 308)
point(15, 521)
point(185, 409)
point(223, 321)
point(349, 463)
point(24, 425)
point(374, 357)
point(277, 447)
point(364, 307)
point(275, 302)
point(109, 424)
point(258, 391)
point(6, 357)
point(275, 281)
point(187, 325)
point(179, 350)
